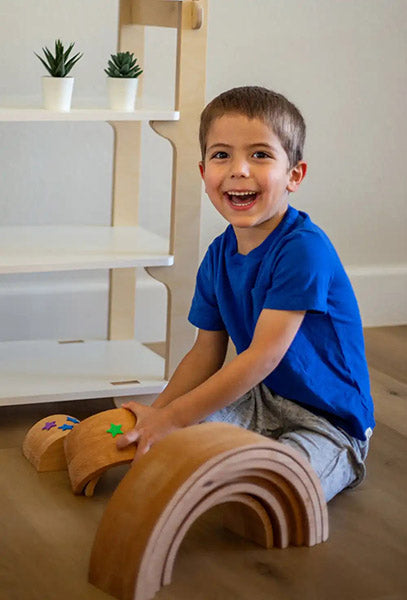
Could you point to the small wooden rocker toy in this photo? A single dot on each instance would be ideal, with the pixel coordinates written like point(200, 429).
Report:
point(185, 474)
point(87, 448)
point(90, 448)
point(44, 443)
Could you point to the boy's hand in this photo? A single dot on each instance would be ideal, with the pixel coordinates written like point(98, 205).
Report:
point(152, 425)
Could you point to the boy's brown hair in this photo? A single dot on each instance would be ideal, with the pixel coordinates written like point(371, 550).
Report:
point(270, 107)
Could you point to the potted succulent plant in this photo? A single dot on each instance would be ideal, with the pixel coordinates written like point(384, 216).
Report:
point(57, 87)
point(122, 73)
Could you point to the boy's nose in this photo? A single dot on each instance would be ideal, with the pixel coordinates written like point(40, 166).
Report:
point(239, 168)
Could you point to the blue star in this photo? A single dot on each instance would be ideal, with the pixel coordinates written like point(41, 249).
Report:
point(64, 427)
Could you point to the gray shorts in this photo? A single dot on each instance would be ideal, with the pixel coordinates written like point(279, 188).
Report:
point(337, 457)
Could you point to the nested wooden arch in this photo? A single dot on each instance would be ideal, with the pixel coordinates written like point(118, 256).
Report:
point(183, 476)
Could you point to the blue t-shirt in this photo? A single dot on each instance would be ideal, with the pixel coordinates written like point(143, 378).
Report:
point(295, 268)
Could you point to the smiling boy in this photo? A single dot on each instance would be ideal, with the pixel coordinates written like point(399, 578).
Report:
point(254, 196)
point(274, 284)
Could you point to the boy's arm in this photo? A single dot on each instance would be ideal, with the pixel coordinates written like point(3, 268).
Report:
point(274, 333)
point(206, 356)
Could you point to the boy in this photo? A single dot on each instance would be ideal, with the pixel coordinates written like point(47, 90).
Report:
point(273, 283)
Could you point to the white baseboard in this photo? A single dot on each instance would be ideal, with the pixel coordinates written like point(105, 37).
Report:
point(381, 291)
point(74, 306)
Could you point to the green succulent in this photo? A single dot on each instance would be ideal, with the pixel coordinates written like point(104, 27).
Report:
point(123, 64)
point(59, 65)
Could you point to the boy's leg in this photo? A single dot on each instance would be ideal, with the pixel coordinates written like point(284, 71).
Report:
point(337, 465)
point(337, 458)
point(252, 411)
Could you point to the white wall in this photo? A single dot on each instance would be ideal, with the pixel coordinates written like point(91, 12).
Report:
point(344, 64)
point(341, 62)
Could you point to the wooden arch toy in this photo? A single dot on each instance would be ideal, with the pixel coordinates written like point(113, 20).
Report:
point(43, 444)
point(86, 448)
point(180, 478)
point(90, 448)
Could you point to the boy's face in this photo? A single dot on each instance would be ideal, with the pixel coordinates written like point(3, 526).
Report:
point(246, 172)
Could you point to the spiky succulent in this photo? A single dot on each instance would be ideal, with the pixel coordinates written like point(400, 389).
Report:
point(123, 64)
point(59, 65)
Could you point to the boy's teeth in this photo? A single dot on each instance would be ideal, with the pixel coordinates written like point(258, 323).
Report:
point(241, 193)
point(241, 198)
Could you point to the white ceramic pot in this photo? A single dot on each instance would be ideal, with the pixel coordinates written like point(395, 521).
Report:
point(122, 93)
point(57, 93)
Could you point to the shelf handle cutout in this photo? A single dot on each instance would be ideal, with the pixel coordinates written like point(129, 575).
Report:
point(197, 14)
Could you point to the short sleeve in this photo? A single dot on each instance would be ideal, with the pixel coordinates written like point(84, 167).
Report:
point(204, 312)
point(302, 275)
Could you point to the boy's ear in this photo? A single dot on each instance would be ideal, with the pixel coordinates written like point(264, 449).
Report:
point(201, 168)
point(297, 174)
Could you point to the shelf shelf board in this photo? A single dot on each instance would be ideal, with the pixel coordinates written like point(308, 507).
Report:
point(35, 249)
point(45, 371)
point(19, 114)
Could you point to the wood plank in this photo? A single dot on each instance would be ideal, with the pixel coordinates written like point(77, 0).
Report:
point(390, 401)
point(155, 13)
point(187, 187)
point(386, 350)
point(125, 196)
point(25, 114)
point(41, 371)
point(35, 249)
point(47, 531)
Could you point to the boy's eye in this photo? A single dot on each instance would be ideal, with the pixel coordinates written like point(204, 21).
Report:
point(261, 154)
point(220, 154)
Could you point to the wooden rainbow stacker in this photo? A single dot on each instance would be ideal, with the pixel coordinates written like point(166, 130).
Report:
point(270, 493)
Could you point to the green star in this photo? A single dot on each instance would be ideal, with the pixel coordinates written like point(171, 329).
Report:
point(115, 430)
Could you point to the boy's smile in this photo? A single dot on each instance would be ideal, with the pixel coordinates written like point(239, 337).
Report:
point(241, 200)
point(247, 176)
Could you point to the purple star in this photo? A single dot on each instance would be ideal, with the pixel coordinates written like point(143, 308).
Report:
point(49, 425)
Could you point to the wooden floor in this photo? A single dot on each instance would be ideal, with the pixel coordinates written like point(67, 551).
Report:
point(46, 533)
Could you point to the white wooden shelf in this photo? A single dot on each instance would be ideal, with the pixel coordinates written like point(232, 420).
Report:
point(45, 371)
point(25, 114)
point(35, 249)
point(41, 371)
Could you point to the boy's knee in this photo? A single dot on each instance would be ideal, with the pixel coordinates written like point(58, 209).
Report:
point(336, 466)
